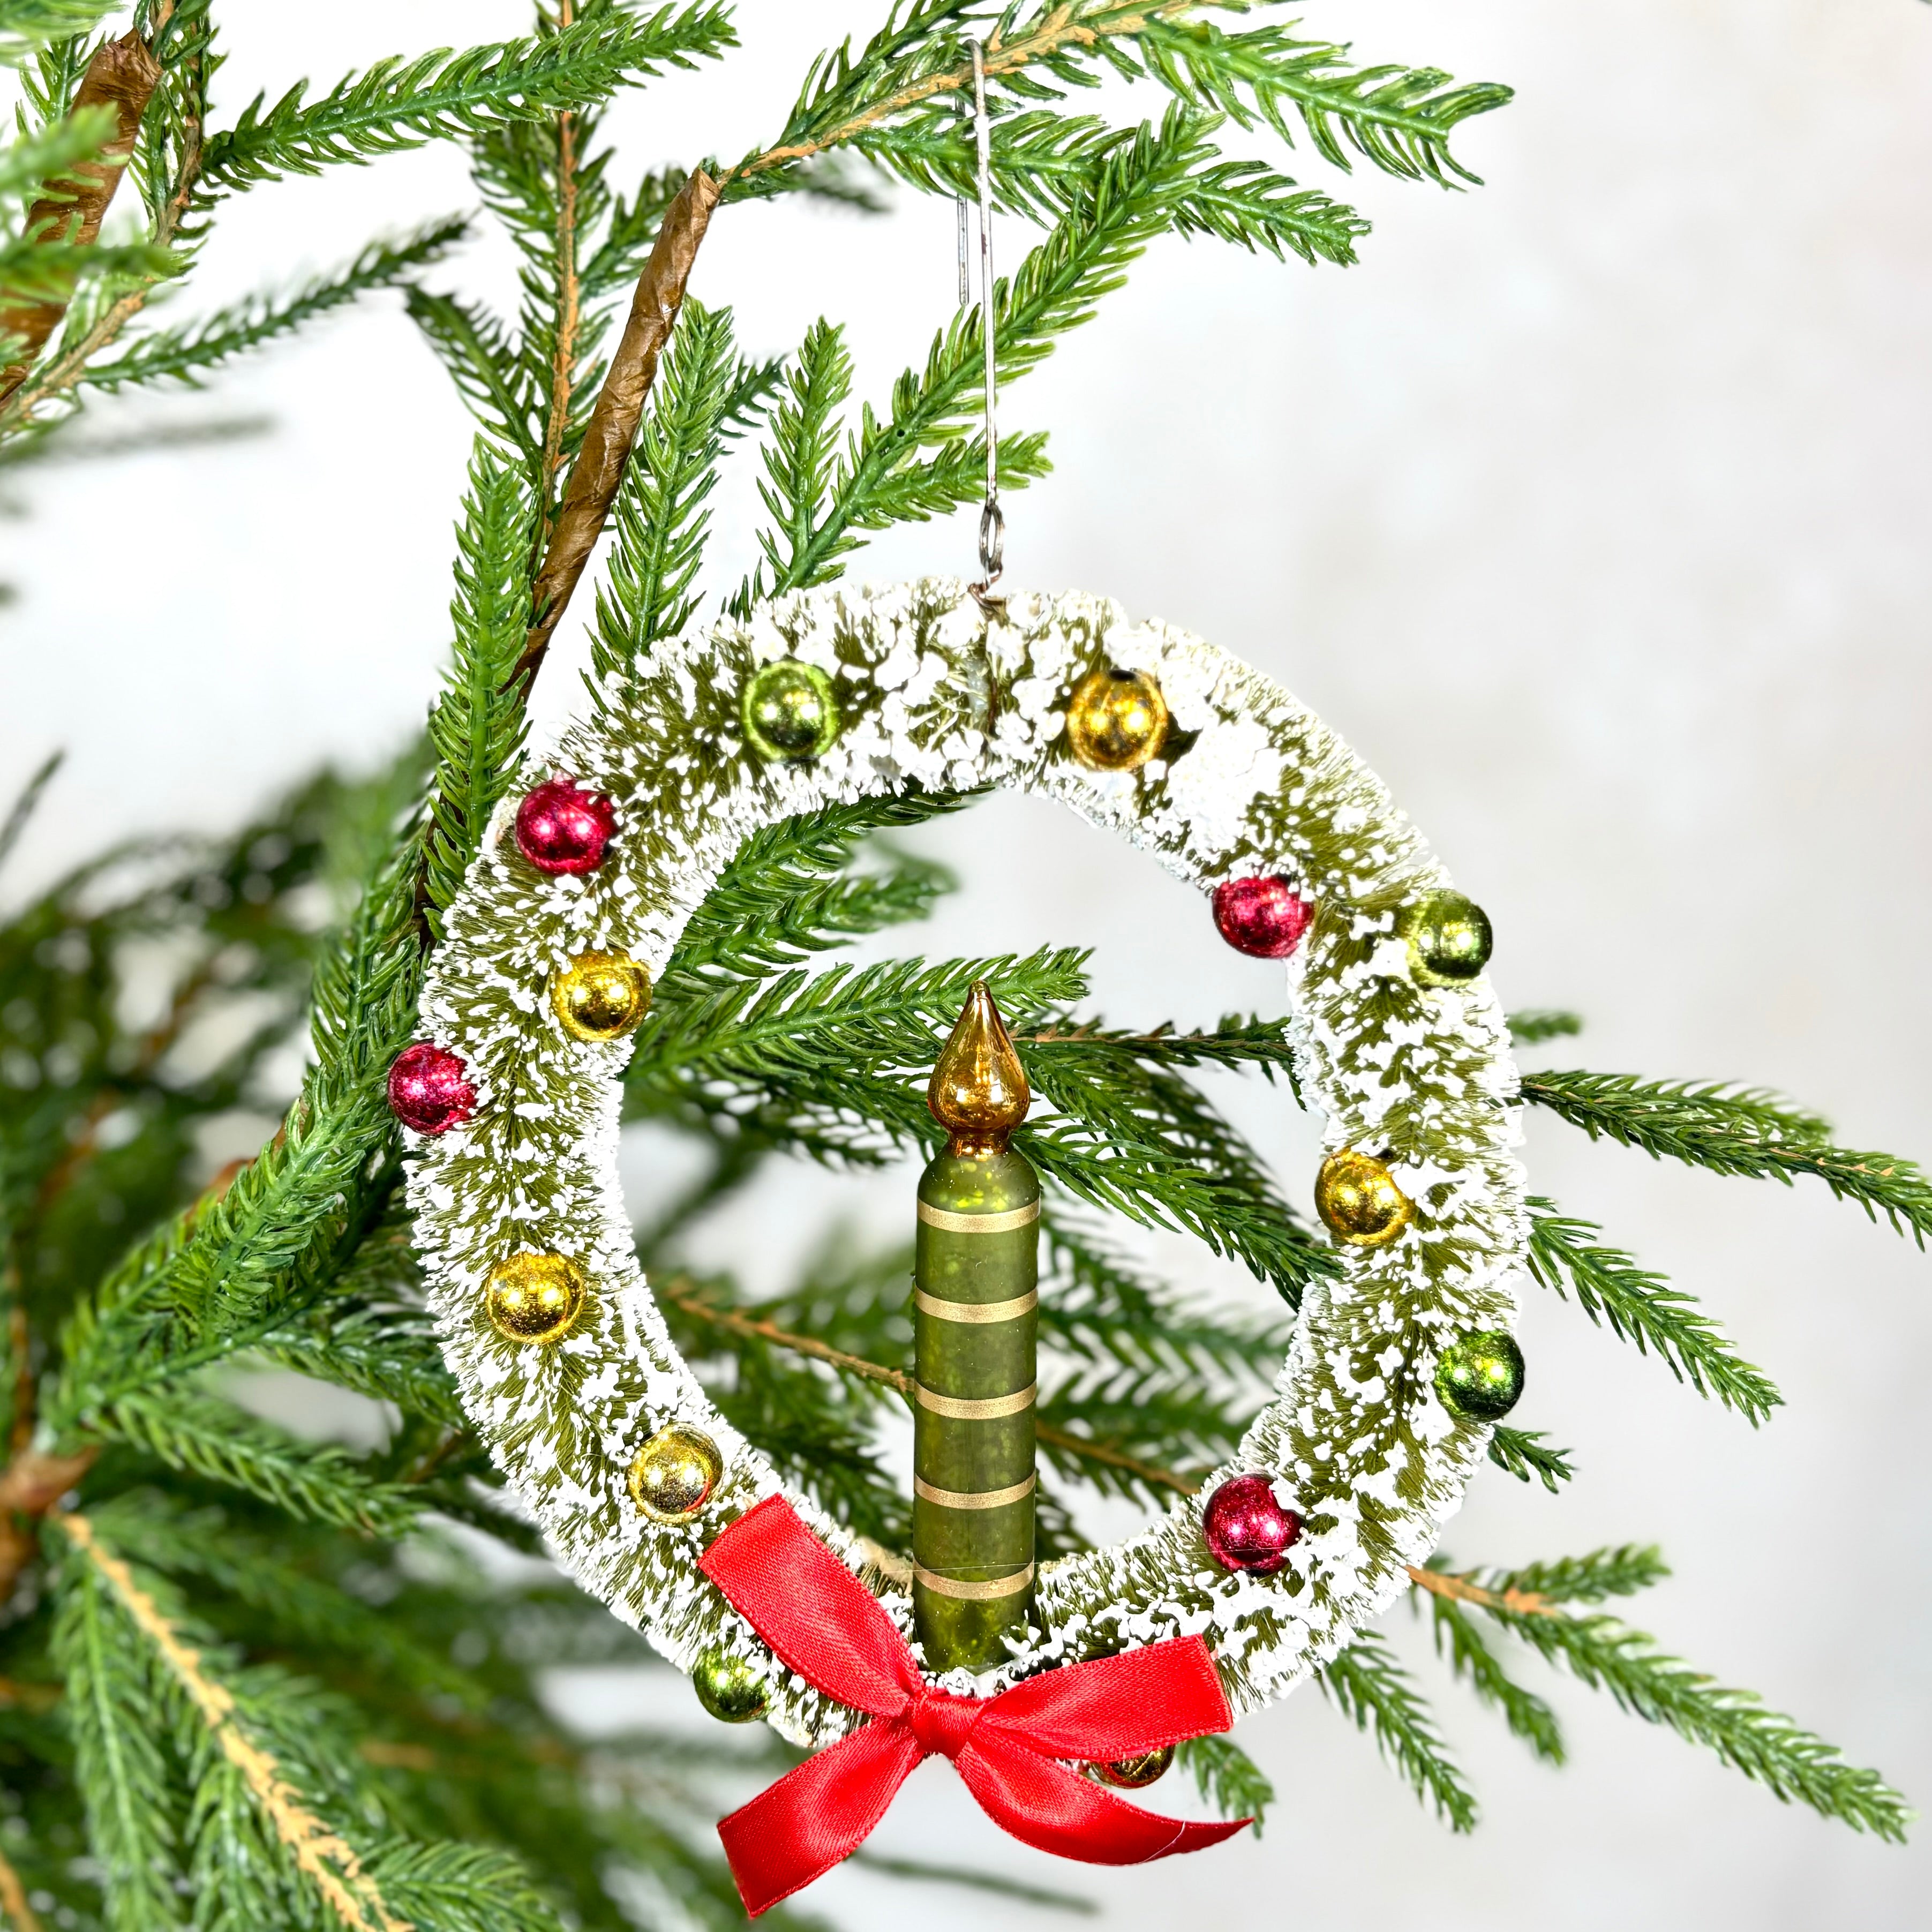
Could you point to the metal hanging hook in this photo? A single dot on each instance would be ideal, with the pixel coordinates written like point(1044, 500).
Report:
point(992, 522)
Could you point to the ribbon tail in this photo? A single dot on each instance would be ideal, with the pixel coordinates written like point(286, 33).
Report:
point(1044, 1804)
point(818, 1815)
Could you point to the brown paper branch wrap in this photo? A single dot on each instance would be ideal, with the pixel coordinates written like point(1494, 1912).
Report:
point(599, 467)
point(122, 75)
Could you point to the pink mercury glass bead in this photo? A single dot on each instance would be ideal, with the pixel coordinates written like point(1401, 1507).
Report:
point(562, 828)
point(428, 1089)
point(1261, 917)
point(1246, 1529)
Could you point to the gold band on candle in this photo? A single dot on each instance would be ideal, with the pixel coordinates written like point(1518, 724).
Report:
point(975, 1311)
point(975, 1593)
point(991, 1408)
point(965, 1499)
point(979, 1224)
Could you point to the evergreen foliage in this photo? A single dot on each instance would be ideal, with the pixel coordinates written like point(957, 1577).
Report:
point(251, 1676)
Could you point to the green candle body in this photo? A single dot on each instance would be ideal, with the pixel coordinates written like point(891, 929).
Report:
point(976, 1355)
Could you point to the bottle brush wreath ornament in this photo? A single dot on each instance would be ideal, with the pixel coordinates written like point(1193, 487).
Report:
point(657, 1504)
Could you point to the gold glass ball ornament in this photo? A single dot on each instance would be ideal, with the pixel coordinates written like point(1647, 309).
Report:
point(1137, 1773)
point(534, 1298)
point(1356, 1196)
point(1450, 939)
point(730, 1686)
point(1116, 721)
point(600, 995)
point(675, 1474)
point(1479, 1377)
point(790, 710)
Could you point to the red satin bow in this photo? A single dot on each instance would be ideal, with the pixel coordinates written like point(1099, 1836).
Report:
point(823, 1623)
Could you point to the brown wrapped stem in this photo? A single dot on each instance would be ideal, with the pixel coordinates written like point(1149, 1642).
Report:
point(599, 467)
point(122, 76)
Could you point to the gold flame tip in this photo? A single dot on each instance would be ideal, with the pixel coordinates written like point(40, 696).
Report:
point(979, 1092)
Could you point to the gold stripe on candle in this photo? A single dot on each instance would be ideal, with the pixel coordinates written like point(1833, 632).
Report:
point(976, 1311)
point(975, 1593)
point(965, 1499)
point(989, 1409)
point(979, 1224)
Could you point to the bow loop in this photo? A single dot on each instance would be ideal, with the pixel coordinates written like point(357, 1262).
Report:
point(821, 1622)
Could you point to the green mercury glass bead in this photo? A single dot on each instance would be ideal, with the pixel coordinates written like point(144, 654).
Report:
point(1449, 939)
point(790, 711)
point(1479, 1377)
point(730, 1686)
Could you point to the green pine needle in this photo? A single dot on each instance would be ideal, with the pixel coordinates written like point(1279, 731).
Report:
point(399, 104)
point(1734, 1130)
point(1365, 1683)
point(1523, 1454)
point(1638, 1306)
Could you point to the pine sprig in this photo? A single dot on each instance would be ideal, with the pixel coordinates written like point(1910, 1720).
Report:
point(473, 345)
point(1399, 118)
point(1523, 1454)
point(1734, 1130)
point(187, 355)
point(1609, 1655)
point(476, 729)
point(1366, 1683)
point(1637, 1306)
point(1534, 1025)
point(1459, 1643)
point(705, 394)
point(1228, 1778)
point(400, 103)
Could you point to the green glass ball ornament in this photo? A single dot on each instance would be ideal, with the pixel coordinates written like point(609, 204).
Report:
point(1480, 1375)
point(790, 710)
point(1450, 939)
point(730, 1686)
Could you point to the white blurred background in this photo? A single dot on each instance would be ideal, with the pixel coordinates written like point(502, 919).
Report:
point(1593, 507)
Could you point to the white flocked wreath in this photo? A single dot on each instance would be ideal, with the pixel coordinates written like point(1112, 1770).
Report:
point(930, 693)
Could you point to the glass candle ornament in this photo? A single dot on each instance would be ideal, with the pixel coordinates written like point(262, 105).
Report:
point(975, 1304)
point(429, 1089)
point(600, 995)
point(1116, 721)
point(1479, 1377)
point(1262, 917)
point(1356, 1196)
point(731, 1687)
point(1247, 1526)
point(534, 1298)
point(790, 710)
point(562, 829)
point(676, 1474)
point(1137, 1773)
point(1449, 939)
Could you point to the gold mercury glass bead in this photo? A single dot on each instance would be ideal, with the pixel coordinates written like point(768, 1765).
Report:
point(1136, 1773)
point(1356, 1196)
point(1116, 721)
point(675, 1474)
point(600, 995)
point(534, 1298)
point(978, 1092)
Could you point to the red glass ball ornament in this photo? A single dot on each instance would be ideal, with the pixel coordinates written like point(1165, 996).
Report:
point(428, 1090)
point(1261, 917)
point(1246, 1528)
point(562, 828)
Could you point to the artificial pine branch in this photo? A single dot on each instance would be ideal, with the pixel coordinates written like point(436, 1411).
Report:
point(1522, 1452)
point(1365, 1683)
point(398, 103)
point(1637, 1306)
point(1734, 1130)
point(186, 355)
